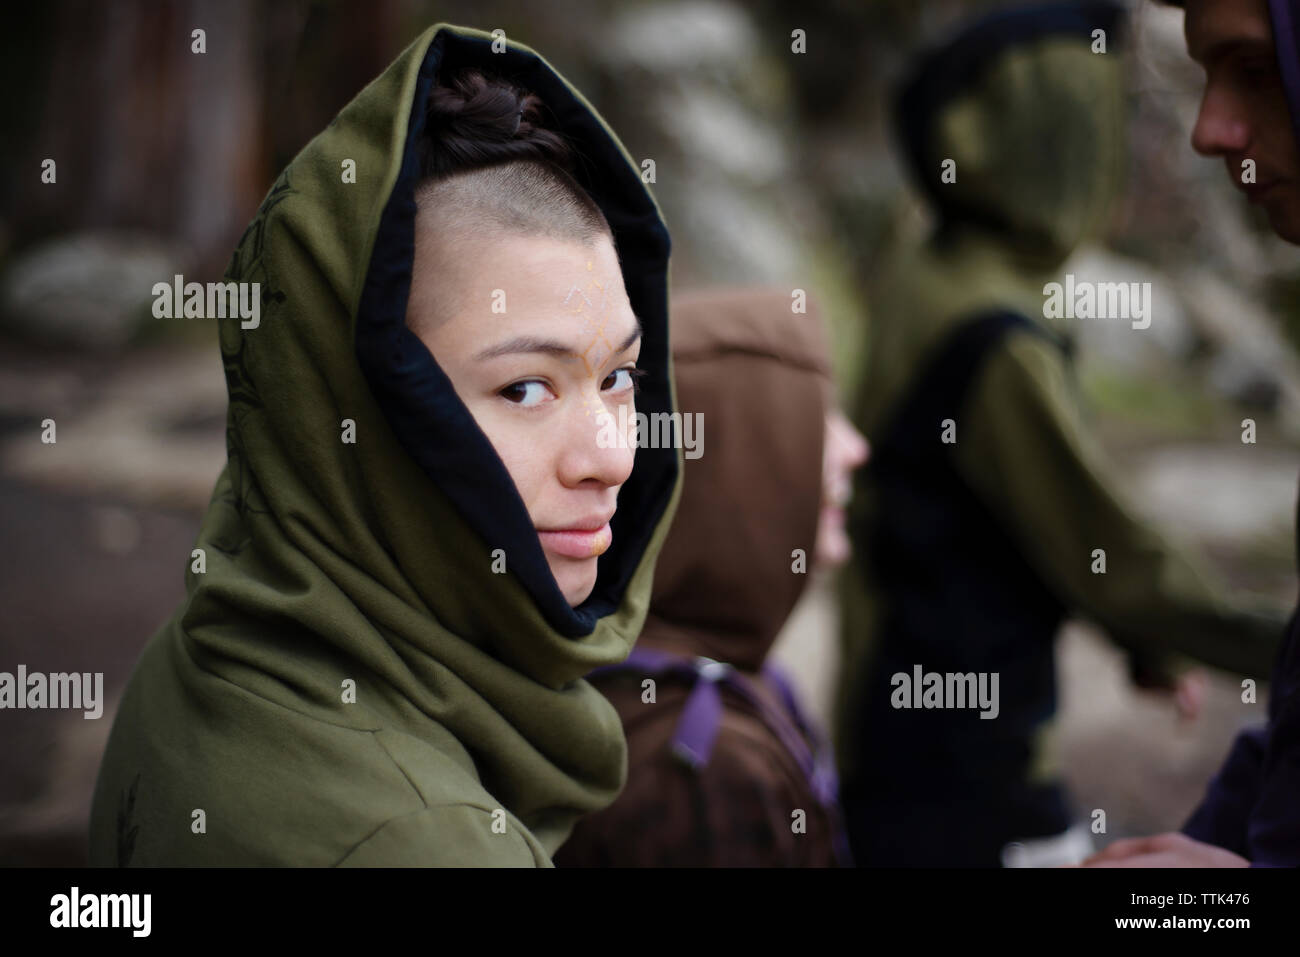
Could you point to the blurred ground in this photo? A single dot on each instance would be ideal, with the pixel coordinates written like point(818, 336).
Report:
point(97, 530)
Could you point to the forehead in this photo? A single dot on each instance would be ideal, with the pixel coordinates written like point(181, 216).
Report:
point(503, 258)
point(554, 279)
point(460, 270)
point(1215, 28)
point(496, 289)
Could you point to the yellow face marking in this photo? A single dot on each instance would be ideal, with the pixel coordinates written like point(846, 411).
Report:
point(588, 301)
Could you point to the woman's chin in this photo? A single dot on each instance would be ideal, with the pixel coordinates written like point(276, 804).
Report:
point(575, 577)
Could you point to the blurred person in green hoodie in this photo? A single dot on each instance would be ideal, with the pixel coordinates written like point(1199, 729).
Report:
point(419, 544)
point(988, 513)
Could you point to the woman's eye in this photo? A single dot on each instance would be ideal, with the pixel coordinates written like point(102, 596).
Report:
point(529, 393)
point(622, 379)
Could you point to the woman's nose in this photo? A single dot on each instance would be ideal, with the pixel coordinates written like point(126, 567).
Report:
point(599, 444)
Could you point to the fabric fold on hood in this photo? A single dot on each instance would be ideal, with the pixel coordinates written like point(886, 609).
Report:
point(352, 535)
point(757, 374)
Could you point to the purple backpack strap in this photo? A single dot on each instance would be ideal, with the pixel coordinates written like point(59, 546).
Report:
point(822, 778)
point(702, 716)
point(697, 729)
point(821, 768)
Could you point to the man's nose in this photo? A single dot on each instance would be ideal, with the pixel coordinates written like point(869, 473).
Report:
point(1221, 128)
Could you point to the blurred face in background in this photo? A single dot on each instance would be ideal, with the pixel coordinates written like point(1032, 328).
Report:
point(1244, 113)
point(843, 452)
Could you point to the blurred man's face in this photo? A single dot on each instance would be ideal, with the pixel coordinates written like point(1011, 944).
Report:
point(1244, 113)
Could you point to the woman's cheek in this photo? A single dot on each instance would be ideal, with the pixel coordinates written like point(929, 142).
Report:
point(522, 454)
point(627, 408)
point(501, 432)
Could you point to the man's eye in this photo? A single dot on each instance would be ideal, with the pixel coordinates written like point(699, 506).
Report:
point(622, 379)
point(528, 393)
point(1258, 69)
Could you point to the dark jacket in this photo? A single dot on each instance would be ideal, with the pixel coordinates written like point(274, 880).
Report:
point(722, 768)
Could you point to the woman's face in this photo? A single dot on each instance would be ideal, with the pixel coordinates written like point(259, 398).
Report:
point(843, 452)
point(539, 340)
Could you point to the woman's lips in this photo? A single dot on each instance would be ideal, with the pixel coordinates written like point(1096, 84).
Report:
point(577, 542)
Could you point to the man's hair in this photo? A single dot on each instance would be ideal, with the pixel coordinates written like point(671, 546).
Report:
point(489, 160)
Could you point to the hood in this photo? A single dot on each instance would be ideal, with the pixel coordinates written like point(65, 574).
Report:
point(1033, 120)
point(759, 376)
point(1286, 39)
point(372, 560)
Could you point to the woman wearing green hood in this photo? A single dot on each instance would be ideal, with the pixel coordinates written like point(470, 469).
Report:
point(420, 541)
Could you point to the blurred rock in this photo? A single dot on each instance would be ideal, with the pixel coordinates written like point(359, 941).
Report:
point(1252, 360)
point(148, 429)
point(88, 289)
point(1217, 493)
point(693, 35)
point(703, 92)
point(737, 144)
point(1115, 342)
point(1194, 315)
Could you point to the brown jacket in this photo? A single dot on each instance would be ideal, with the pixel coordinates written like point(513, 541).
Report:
point(725, 583)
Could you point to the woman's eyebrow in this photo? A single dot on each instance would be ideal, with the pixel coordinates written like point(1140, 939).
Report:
point(633, 337)
point(547, 346)
point(528, 344)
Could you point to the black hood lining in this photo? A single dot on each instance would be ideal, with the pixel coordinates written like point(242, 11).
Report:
point(418, 399)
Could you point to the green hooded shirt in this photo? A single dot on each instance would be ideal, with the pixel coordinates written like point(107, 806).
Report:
point(353, 677)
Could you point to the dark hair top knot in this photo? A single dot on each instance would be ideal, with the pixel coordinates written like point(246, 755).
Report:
point(476, 120)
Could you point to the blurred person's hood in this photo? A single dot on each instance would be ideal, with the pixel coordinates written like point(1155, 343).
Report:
point(1286, 38)
point(375, 562)
point(758, 375)
point(1034, 122)
point(1032, 119)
